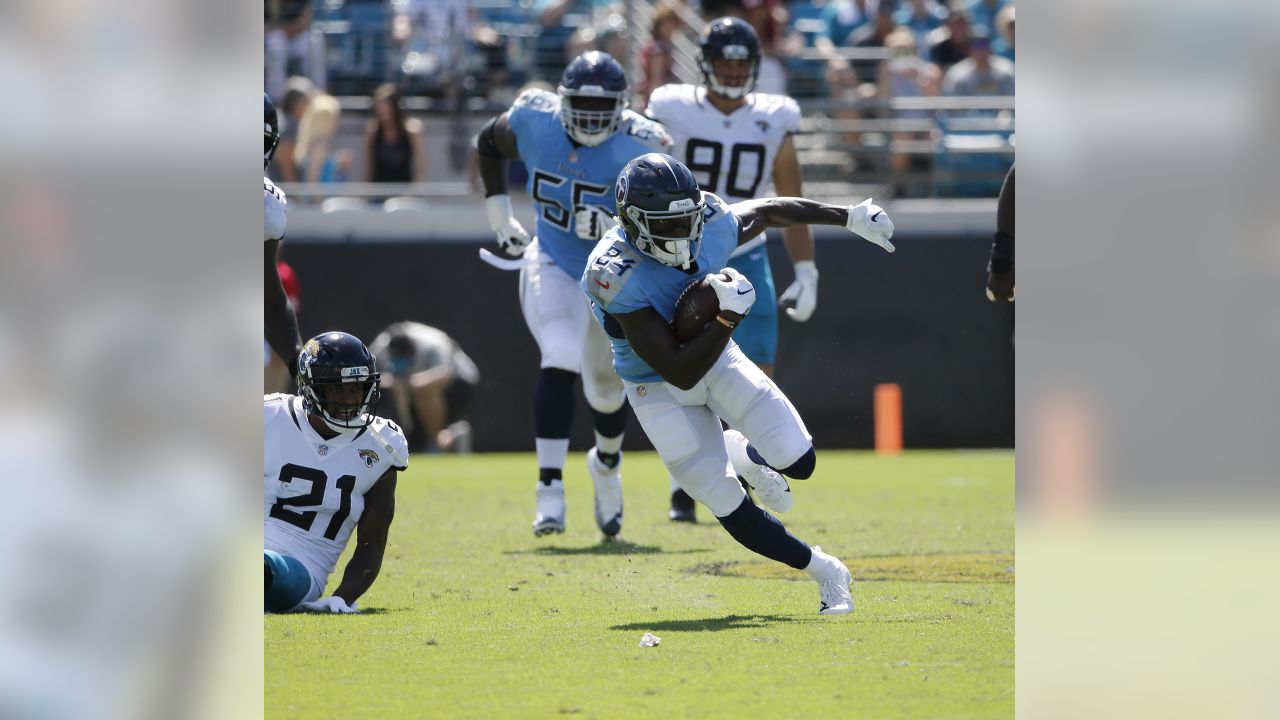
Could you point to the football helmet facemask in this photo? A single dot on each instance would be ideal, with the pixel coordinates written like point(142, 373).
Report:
point(338, 381)
point(729, 38)
point(661, 209)
point(593, 93)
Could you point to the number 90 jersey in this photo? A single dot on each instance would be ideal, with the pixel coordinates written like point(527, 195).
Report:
point(312, 488)
point(730, 155)
point(564, 177)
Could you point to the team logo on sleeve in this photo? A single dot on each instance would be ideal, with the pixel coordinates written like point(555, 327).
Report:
point(370, 457)
point(763, 125)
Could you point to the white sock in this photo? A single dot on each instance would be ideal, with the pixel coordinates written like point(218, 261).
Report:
point(608, 446)
point(674, 485)
point(821, 565)
point(552, 452)
point(736, 443)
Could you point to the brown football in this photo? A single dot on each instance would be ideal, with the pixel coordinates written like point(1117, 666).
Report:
point(695, 307)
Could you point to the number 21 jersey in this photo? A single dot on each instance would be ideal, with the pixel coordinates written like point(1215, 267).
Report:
point(313, 488)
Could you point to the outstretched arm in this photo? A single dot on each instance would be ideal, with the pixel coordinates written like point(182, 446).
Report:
point(280, 323)
point(371, 539)
point(869, 221)
point(801, 298)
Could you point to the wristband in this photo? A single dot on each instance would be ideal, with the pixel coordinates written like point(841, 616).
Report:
point(1001, 253)
point(726, 322)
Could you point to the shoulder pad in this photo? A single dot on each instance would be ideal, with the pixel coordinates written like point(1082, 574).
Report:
point(648, 132)
point(537, 100)
point(391, 438)
point(274, 404)
point(788, 113)
point(664, 99)
point(609, 270)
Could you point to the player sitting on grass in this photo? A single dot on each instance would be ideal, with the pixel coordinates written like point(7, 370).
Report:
point(672, 233)
point(329, 467)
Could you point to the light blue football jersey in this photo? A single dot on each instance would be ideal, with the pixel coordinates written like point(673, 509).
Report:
point(563, 176)
point(620, 279)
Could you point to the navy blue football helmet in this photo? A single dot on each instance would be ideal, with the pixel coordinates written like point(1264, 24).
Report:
point(661, 209)
point(270, 130)
point(729, 38)
point(338, 380)
point(593, 93)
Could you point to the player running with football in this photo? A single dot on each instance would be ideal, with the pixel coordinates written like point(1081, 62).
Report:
point(574, 142)
point(280, 323)
point(735, 140)
point(673, 233)
point(329, 467)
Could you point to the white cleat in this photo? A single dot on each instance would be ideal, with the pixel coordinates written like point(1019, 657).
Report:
point(834, 590)
point(608, 484)
point(550, 515)
point(770, 487)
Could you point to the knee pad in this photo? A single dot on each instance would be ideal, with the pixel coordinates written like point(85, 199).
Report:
point(290, 582)
point(803, 468)
point(709, 481)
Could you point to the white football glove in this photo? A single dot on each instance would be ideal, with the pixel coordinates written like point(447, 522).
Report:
point(803, 292)
point(734, 294)
point(331, 604)
point(591, 222)
point(512, 237)
point(872, 223)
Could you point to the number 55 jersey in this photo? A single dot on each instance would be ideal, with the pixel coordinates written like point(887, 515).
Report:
point(564, 177)
point(312, 488)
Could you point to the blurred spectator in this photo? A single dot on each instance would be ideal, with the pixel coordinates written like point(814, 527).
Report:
point(769, 19)
point(655, 57)
point(949, 44)
point(393, 147)
point(608, 36)
point(296, 100)
point(982, 73)
point(842, 17)
point(559, 20)
point(905, 74)
point(1003, 44)
point(316, 157)
point(445, 41)
point(872, 35)
point(431, 382)
point(921, 17)
point(293, 47)
point(982, 14)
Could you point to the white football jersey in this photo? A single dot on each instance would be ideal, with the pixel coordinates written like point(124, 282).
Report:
point(312, 488)
point(730, 155)
point(273, 212)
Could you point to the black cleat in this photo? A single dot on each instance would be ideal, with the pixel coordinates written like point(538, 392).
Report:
point(682, 508)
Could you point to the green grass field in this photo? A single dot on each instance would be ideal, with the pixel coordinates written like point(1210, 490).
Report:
point(474, 617)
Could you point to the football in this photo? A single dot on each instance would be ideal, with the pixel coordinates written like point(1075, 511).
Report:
point(695, 307)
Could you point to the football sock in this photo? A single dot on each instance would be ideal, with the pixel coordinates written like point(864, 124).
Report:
point(553, 404)
point(820, 565)
point(762, 533)
point(609, 431)
point(675, 486)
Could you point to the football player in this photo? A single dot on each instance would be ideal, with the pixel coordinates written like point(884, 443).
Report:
point(280, 323)
point(574, 142)
point(735, 141)
point(329, 467)
point(672, 233)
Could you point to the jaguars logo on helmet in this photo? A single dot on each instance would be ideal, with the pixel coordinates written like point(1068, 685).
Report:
point(270, 130)
point(661, 209)
point(333, 360)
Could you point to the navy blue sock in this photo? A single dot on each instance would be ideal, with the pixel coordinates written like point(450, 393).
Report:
point(553, 403)
point(801, 469)
point(610, 425)
point(762, 533)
